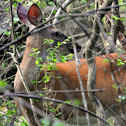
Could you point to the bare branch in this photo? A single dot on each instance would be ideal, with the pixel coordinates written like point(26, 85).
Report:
point(65, 4)
point(54, 100)
point(91, 63)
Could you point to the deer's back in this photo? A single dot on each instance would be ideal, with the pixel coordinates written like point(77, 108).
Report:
point(105, 72)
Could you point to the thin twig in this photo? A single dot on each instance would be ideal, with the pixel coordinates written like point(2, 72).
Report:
point(64, 5)
point(12, 23)
point(63, 91)
point(26, 88)
point(79, 77)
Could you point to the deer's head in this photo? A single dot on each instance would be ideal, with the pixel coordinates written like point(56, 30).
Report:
point(33, 18)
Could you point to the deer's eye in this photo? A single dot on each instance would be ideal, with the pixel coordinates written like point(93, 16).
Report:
point(57, 35)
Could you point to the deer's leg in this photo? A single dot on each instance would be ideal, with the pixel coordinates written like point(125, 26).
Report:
point(26, 110)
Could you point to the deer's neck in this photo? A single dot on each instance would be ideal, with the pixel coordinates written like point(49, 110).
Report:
point(28, 68)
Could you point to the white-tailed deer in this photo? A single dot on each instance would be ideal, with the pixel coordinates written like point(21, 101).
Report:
point(108, 73)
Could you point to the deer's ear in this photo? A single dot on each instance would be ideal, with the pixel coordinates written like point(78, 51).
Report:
point(22, 14)
point(35, 15)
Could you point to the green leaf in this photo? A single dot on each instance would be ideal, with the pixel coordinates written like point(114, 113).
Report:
point(32, 54)
point(59, 114)
point(58, 123)
point(77, 102)
point(58, 77)
point(52, 110)
point(115, 86)
point(36, 62)
point(54, 12)
point(45, 122)
point(7, 9)
point(55, 60)
point(2, 84)
point(51, 3)
point(38, 52)
point(116, 18)
point(67, 101)
point(58, 43)
point(35, 82)
point(34, 49)
point(15, 4)
point(7, 33)
point(46, 79)
point(119, 62)
point(105, 60)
